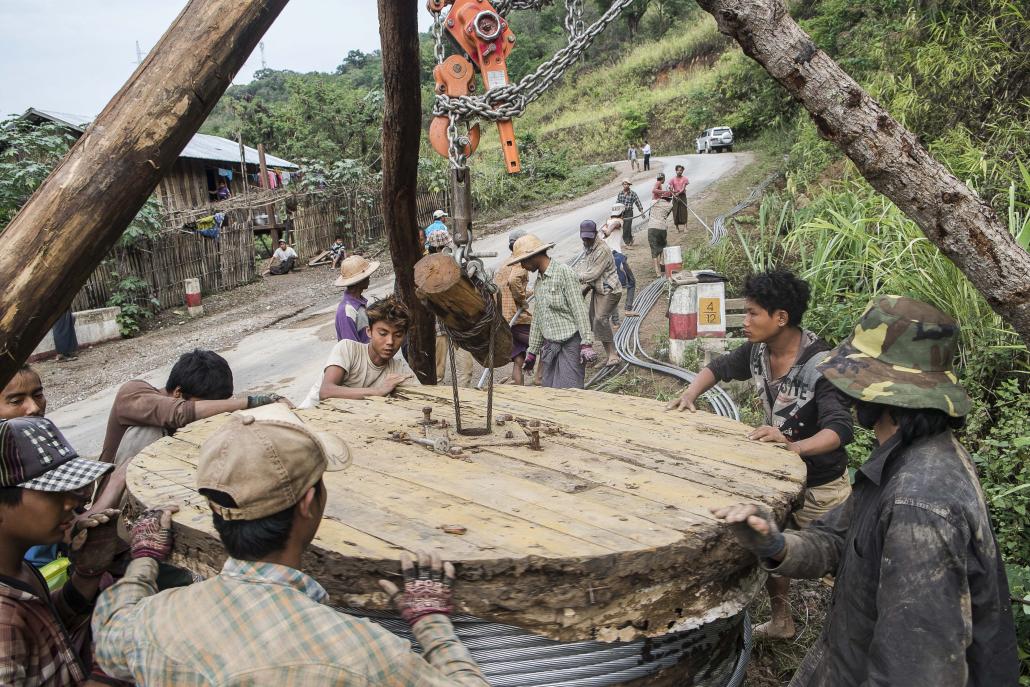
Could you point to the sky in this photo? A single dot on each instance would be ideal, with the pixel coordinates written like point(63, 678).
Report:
point(73, 55)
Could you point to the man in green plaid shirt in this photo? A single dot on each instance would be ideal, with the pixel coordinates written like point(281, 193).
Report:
point(262, 621)
point(560, 334)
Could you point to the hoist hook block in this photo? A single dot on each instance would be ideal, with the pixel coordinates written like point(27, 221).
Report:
point(486, 37)
point(454, 77)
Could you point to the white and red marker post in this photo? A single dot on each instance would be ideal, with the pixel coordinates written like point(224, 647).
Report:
point(193, 305)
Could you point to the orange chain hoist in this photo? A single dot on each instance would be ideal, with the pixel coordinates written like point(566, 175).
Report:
point(487, 39)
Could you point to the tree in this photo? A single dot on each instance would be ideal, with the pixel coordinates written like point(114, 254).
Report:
point(402, 133)
point(633, 13)
point(890, 157)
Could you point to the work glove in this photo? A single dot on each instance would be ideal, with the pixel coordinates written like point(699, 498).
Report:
point(94, 542)
point(747, 521)
point(264, 399)
point(427, 587)
point(530, 362)
point(152, 534)
point(587, 355)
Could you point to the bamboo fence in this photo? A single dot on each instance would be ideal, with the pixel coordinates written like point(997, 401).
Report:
point(229, 261)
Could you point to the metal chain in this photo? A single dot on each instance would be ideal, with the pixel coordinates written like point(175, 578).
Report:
point(507, 102)
point(438, 36)
point(574, 18)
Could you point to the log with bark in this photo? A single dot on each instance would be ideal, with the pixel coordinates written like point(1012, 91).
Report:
point(890, 157)
point(463, 309)
point(75, 217)
point(402, 132)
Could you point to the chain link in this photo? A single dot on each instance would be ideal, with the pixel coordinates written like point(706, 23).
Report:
point(510, 101)
point(574, 18)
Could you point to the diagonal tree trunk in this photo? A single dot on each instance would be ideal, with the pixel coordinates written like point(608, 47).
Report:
point(402, 134)
point(889, 156)
point(76, 216)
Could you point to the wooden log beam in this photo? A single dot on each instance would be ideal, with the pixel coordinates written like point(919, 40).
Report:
point(402, 132)
point(890, 157)
point(461, 307)
point(71, 222)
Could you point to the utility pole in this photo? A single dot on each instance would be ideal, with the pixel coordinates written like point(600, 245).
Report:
point(402, 132)
point(264, 65)
point(139, 55)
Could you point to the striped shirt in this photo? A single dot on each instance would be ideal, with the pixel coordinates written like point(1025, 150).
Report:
point(560, 311)
point(262, 624)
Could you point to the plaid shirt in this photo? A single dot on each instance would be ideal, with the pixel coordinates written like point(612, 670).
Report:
point(629, 199)
point(560, 311)
point(262, 624)
point(512, 284)
point(34, 635)
point(597, 269)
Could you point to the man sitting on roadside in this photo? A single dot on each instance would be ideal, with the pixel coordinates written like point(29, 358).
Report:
point(262, 621)
point(43, 486)
point(283, 259)
point(356, 371)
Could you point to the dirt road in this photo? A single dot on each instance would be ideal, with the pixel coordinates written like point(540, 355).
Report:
point(276, 333)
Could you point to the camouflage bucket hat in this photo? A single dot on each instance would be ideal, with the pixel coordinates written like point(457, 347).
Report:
point(900, 354)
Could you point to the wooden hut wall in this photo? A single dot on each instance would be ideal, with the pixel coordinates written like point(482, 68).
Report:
point(229, 261)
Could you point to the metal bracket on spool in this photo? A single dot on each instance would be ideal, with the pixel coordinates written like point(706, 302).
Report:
point(479, 431)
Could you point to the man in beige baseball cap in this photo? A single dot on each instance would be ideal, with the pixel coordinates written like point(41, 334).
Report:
point(262, 476)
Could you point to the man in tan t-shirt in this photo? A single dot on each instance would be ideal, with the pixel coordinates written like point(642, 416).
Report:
point(356, 371)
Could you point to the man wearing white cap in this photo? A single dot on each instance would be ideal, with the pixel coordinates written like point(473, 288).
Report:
point(283, 259)
point(438, 225)
point(351, 316)
point(262, 620)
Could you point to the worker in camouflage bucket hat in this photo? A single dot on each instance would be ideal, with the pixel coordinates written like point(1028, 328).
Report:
point(921, 596)
point(900, 355)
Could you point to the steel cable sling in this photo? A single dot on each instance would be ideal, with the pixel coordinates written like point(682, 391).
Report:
point(512, 657)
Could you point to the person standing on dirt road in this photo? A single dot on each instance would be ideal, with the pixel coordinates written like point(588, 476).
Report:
point(629, 199)
point(611, 233)
point(600, 279)
point(560, 333)
point(658, 222)
point(351, 314)
point(647, 155)
point(262, 620)
point(631, 154)
point(803, 411)
point(678, 186)
point(513, 287)
point(920, 595)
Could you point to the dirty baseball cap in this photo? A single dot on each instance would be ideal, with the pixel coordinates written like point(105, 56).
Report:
point(282, 240)
point(617, 210)
point(514, 235)
point(660, 177)
point(439, 213)
point(587, 229)
point(35, 455)
point(265, 459)
point(625, 181)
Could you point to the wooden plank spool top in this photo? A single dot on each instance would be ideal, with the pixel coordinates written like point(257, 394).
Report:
point(603, 533)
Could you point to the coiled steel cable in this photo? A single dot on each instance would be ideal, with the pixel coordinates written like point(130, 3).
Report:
point(512, 657)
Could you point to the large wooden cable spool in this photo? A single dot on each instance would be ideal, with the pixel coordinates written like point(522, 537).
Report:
point(603, 532)
point(464, 309)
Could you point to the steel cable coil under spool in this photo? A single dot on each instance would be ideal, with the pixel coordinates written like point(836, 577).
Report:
point(512, 657)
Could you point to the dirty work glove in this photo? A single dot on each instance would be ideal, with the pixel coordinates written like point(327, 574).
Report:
point(427, 587)
point(152, 534)
point(262, 400)
point(587, 355)
point(94, 542)
point(530, 362)
point(754, 527)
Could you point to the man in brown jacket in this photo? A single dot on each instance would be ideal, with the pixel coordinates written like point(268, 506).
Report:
point(513, 287)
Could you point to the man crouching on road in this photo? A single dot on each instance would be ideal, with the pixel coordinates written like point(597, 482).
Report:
point(921, 596)
point(356, 370)
point(262, 621)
